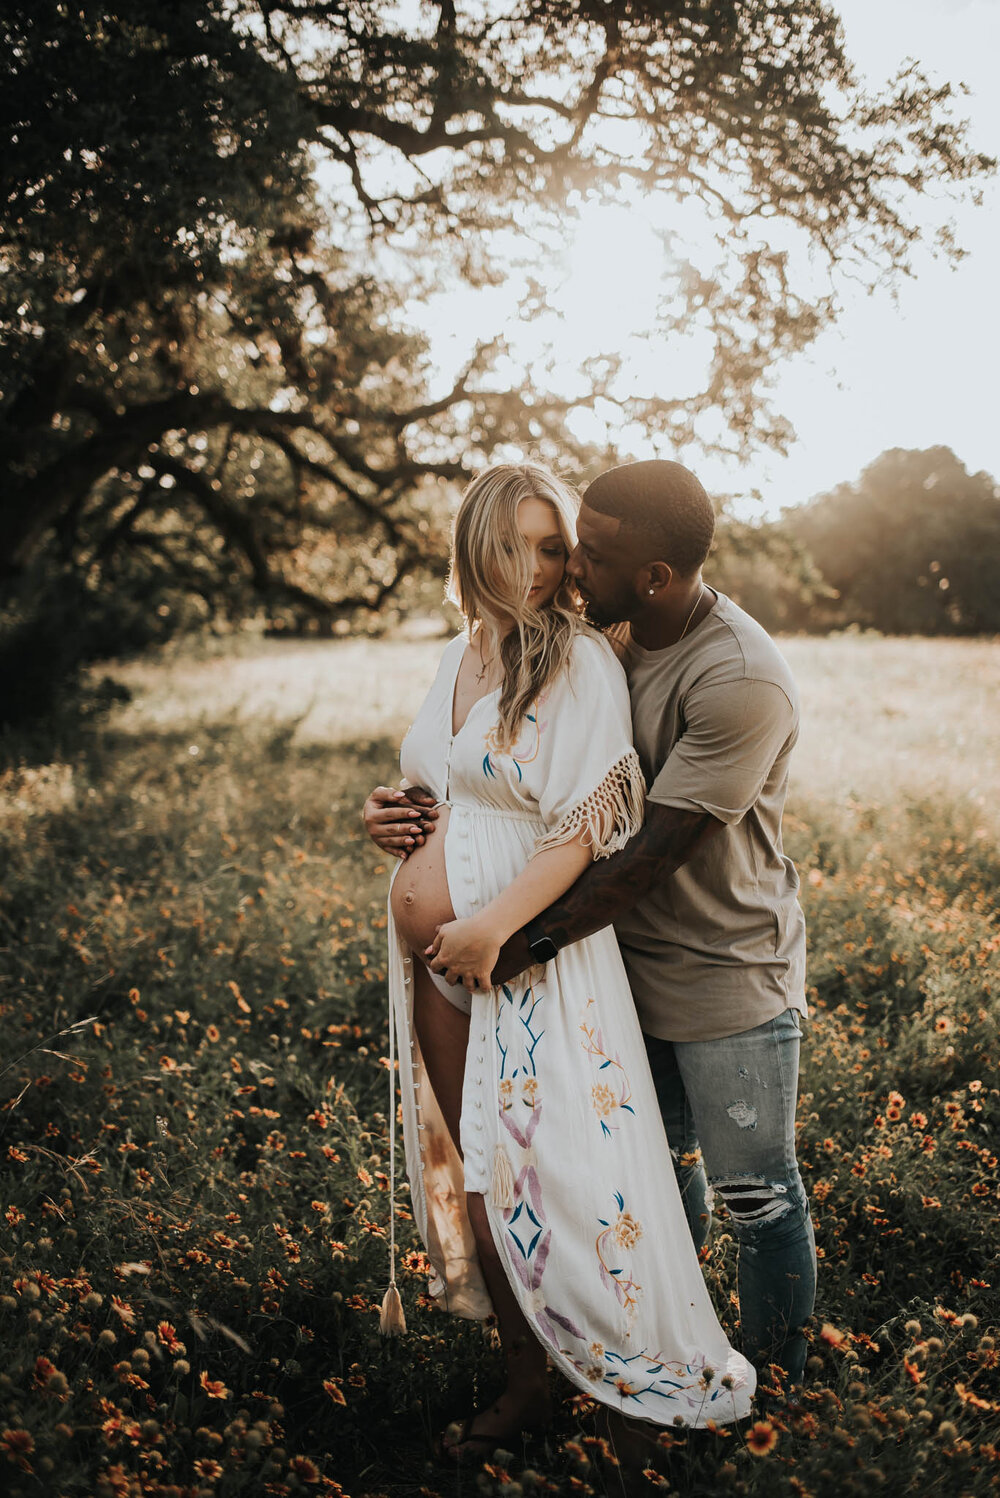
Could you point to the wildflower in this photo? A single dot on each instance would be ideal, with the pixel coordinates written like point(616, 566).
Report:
point(213, 1387)
point(364, 1176)
point(213, 1033)
point(124, 1310)
point(831, 1336)
point(112, 1429)
point(168, 1336)
point(208, 1468)
point(332, 1387)
point(967, 1396)
point(304, 1469)
point(18, 1444)
point(761, 1438)
point(947, 1432)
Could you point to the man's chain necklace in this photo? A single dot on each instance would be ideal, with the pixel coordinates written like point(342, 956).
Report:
point(701, 594)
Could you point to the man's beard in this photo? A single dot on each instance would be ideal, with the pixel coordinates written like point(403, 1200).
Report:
point(616, 611)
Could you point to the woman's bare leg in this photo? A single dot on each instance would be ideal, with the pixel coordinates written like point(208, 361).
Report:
point(443, 1033)
point(524, 1403)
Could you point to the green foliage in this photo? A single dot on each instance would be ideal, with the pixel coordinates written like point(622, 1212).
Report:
point(912, 546)
point(210, 396)
point(768, 573)
point(195, 1166)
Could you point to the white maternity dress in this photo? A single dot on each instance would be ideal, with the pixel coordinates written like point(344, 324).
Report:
point(557, 1088)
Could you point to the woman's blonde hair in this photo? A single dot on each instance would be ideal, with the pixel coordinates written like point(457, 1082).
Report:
point(490, 577)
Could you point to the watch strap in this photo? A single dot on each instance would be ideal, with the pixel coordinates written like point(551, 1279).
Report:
point(542, 947)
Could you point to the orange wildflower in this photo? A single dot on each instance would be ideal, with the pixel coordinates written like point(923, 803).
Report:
point(214, 1387)
point(168, 1336)
point(304, 1469)
point(761, 1438)
point(18, 1446)
point(123, 1309)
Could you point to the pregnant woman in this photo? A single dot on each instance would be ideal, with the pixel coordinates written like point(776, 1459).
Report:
point(540, 1176)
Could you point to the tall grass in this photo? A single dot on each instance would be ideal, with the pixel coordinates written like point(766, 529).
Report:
point(193, 1137)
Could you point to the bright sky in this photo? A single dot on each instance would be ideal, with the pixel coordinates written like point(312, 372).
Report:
point(916, 371)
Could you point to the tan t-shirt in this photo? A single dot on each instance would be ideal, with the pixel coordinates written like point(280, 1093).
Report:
point(719, 946)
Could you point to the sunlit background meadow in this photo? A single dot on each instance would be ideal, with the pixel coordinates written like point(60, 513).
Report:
point(196, 1166)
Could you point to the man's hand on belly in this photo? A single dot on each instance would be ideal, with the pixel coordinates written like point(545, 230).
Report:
point(399, 821)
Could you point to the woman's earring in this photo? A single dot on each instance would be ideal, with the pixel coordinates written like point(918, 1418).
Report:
point(651, 592)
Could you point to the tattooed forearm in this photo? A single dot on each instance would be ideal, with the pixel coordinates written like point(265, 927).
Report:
point(610, 886)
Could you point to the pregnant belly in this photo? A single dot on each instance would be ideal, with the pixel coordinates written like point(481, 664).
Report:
point(420, 898)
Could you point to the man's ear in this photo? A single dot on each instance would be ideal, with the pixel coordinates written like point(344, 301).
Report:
point(654, 578)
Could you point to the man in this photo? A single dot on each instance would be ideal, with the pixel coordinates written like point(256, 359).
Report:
point(703, 900)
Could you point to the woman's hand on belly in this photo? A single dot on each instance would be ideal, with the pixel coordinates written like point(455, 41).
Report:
point(464, 950)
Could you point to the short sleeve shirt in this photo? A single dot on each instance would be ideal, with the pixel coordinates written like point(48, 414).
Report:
point(719, 946)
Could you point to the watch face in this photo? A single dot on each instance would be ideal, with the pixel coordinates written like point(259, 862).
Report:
point(544, 949)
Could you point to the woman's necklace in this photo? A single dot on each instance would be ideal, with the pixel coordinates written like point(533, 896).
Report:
point(701, 594)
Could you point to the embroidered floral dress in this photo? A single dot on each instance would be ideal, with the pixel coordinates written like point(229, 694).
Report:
point(557, 1088)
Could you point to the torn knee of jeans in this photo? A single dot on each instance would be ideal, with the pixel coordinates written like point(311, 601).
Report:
point(742, 1113)
point(750, 1199)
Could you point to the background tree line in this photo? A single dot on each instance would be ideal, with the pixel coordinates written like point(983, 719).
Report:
point(911, 546)
point(219, 216)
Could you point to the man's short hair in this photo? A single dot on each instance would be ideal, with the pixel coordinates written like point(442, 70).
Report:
point(662, 506)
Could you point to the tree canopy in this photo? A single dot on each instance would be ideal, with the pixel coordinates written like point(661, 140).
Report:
point(912, 546)
point(218, 216)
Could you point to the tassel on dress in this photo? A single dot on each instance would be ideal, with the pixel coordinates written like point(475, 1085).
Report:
point(392, 1321)
point(502, 1184)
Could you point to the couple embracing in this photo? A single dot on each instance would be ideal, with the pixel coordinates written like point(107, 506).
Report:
point(597, 956)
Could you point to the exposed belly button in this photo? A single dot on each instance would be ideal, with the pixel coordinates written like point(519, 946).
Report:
point(409, 897)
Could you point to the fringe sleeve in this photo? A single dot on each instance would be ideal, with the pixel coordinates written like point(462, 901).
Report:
point(609, 816)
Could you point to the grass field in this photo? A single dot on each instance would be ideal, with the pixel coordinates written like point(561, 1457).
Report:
point(193, 1136)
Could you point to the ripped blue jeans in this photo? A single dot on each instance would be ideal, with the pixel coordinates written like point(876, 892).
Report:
point(728, 1108)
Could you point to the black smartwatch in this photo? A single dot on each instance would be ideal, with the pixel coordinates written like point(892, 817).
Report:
point(542, 947)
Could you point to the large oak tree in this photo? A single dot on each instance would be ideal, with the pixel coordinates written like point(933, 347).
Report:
point(217, 215)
